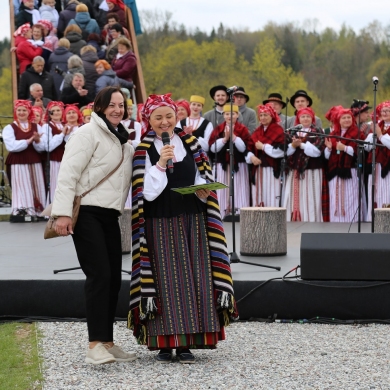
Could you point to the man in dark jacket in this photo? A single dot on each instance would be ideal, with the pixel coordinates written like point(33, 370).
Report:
point(37, 74)
point(76, 92)
point(36, 96)
point(66, 15)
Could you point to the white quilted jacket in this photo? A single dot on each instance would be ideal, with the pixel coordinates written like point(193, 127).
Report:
point(91, 153)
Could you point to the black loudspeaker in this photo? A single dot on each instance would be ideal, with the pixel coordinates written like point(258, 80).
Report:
point(345, 256)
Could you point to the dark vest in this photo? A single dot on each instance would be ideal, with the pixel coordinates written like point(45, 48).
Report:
point(199, 132)
point(58, 152)
point(169, 203)
point(26, 156)
point(131, 127)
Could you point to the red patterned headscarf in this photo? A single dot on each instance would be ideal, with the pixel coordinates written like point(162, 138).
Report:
point(305, 111)
point(22, 30)
point(331, 114)
point(119, 3)
point(183, 103)
point(72, 107)
point(379, 109)
point(342, 111)
point(50, 106)
point(40, 110)
point(45, 23)
point(153, 102)
point(268, 109)
point(26, 104)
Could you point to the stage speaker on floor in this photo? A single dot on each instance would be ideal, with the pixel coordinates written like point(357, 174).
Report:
point(345, 256)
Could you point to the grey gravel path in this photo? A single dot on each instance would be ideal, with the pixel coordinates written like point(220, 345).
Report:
point(254, 356)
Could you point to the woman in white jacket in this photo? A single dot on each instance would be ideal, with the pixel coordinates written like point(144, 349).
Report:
point(92, 152)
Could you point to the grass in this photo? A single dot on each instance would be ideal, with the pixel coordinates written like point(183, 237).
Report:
point(19, 359)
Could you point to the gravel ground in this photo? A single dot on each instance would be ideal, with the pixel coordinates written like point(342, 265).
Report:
point(254, 356)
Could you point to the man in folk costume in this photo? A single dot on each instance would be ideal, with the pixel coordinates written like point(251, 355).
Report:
point(342, 172)
point(382, 160)
point(248, 116)
point(171, 307)
point(276, 101)
point(220, 97)
point(299, 100)
point(306, 186)
point(199, 127)
point(266, 149)
point(219, 143)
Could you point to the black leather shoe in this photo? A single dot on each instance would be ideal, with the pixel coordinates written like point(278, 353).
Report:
point(164, 356)
point(185, 356)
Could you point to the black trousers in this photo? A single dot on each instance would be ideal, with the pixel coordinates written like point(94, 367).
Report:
point(97, 240)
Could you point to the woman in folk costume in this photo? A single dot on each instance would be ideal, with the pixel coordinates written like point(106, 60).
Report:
point(305, 182)
point(196, 125)
point(331, 117)
point(22, 138)
point(382, 160)
point(342, 172)
point(181, 293)
point(219, 144)
point(266, 151)
point(183, 109)
point(56, 136)
point(38, 115)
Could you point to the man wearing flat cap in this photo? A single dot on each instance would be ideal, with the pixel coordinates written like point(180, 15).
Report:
point(220, 97)
point(300, 100)
point(248, 118)
point(275, 99)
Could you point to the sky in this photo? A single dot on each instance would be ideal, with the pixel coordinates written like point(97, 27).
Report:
point(254, 14)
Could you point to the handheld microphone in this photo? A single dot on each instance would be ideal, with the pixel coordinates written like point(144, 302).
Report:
point(231, 89)
point(375, 80)
point(166, 141)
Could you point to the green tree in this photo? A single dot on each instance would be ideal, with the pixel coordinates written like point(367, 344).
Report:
point(5, 96)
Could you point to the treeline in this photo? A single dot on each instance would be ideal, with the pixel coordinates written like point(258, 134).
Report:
point(334, 67)
point(5, 81)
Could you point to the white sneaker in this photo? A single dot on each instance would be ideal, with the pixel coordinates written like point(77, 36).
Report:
point(99, 355)
point(120, 355)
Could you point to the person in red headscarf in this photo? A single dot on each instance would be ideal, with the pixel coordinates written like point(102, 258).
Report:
point(305, 182)
point(56, 133)
point(183, 109)
point(22, 138)
point(382, 161)
point(38, 115)
point(266, 148)
point(72, 119)
point(330, 116)
point(219, 150)
point(172, 234)
point(342, 172)
point(26, 50)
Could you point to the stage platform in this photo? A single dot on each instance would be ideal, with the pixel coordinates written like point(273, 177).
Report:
point(29, 288)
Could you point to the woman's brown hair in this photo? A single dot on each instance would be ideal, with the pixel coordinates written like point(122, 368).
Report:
point(103, 100)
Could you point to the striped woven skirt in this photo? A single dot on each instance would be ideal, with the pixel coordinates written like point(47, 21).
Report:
point(181, 264)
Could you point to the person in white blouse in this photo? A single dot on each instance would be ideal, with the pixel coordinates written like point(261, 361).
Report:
point(173, 237)
point(22, 138)
point(195, 124)
point(303, 187)
point(382, 160)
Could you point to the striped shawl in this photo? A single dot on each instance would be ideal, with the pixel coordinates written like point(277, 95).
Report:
point(143, 297)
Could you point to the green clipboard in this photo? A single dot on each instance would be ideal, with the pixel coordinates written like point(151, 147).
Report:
point(216, 185)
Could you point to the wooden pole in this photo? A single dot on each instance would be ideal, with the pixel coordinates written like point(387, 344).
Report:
point(140, 91)
point(14, 71)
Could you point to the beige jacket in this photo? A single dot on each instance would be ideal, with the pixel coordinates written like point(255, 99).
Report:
point(91, 153)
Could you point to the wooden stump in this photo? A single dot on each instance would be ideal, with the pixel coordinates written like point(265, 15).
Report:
point(263, 231)
point(125, 225)
point(382, 220)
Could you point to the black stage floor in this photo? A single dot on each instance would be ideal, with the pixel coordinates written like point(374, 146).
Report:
point(28, 287)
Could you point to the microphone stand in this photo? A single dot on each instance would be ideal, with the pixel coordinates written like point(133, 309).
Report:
point(284, 159)
point(373, 174)
point(48, 161)
point(233, 255)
